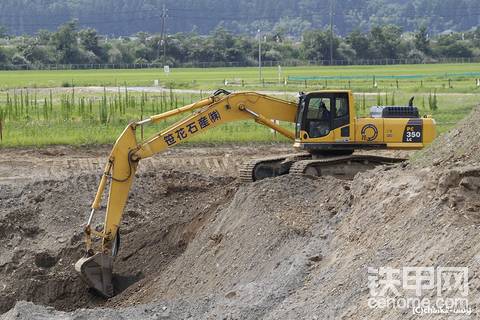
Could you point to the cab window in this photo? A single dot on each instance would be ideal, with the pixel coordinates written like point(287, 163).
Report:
point(341, 106)
point(318, 116)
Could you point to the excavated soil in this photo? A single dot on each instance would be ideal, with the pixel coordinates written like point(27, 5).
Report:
point(201, 246)
point(41, 238)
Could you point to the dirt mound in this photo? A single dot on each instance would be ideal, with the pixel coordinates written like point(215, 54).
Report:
point(245, 255)
point(266, 240)
point(459, 146)
point(293, 247)
point(40, 233)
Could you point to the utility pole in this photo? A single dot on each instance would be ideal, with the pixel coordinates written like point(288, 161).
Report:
point(331, 31)
point(164, 38)
point(260, 54)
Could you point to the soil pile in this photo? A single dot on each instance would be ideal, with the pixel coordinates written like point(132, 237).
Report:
point(41, 237)
point(239, 259)
point(459, 146)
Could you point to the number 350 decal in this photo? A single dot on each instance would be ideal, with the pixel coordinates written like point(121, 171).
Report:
point(413, 133)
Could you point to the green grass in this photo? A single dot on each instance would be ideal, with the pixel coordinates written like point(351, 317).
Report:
point(83, 119)
point(39, 135)
point(34, 117)
point(69, 123)
point(214, 77)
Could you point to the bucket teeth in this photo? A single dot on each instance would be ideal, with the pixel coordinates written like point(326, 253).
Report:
point(96, 271)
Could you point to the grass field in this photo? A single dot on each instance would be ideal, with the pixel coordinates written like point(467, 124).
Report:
point(435, 77)
point(36, 117)
point(81, 119)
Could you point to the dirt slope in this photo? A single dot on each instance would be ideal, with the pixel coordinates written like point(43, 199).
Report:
point(40, 232)
point(459, 146)
point(284, 248)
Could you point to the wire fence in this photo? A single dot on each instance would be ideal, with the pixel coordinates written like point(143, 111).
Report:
point(232, 64)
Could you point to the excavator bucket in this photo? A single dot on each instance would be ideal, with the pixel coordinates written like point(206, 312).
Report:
point(96, 271)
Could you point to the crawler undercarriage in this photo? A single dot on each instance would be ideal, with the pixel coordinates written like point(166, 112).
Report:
point(339, 166)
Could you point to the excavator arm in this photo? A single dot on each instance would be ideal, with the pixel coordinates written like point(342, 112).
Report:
point(222, 107)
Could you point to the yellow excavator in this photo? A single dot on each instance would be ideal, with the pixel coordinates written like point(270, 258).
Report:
point(327, 132)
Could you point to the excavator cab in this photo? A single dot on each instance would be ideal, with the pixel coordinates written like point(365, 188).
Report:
point(327, 125)
point(323, 118)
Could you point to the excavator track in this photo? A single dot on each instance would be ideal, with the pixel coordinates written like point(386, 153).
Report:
point(274, 165)
point(355, 163)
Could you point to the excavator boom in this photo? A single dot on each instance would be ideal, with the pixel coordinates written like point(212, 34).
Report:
point(96, 267)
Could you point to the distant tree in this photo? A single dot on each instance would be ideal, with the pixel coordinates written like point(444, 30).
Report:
point(31, 50)
point(115, 55)
point(476, 37)
point(359, 42)
point(457, 49)
point(142, 37)
point(89, 40)
point(127, 49)
point(44, 36)
point(385, 42)
point(3, 32)
point(3, 56)
point(421, 41)
point(316, 45)
point(346, 52)
point(416, 55)
point(178, 48)
point(142, 53)
point(65, 42)
point(224, 45)
point(273, 55)
point(155, 44)
point(86, 56)
point(288, 50)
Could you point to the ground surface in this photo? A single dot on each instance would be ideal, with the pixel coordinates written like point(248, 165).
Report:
point(198, 245)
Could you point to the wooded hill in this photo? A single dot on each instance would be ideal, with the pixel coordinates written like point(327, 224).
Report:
point(288, 17)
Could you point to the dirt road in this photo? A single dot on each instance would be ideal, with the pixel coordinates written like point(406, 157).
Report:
point(285, 94)
point(24, 165)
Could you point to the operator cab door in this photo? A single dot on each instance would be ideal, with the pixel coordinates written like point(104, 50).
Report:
point(324, 117)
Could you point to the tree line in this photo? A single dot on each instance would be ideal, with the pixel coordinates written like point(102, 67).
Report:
point(70, 44)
